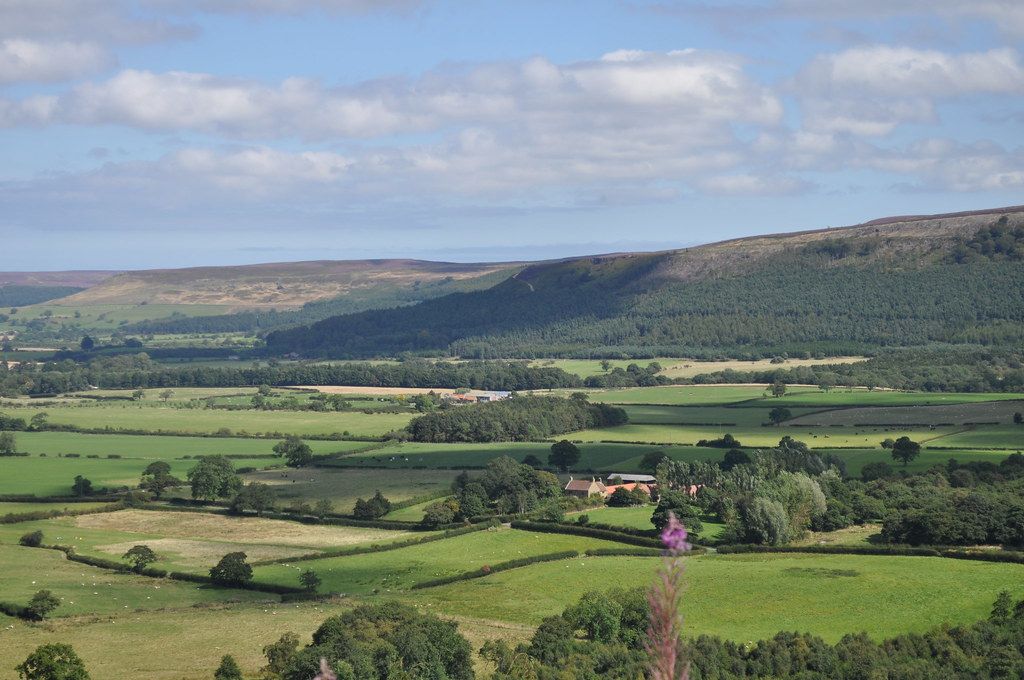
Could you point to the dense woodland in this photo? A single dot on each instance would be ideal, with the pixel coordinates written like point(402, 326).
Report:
point(520, 418)
point(19, 295)
point(138, 370)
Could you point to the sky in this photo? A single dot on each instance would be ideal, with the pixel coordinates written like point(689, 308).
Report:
point(173, 133)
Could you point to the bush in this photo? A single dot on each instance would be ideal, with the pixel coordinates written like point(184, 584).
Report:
point(33, 539)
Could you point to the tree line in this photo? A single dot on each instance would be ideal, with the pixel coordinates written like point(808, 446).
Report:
point(519, 418)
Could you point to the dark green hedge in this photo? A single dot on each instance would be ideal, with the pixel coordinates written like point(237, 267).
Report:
point(575, 530)
point(495, 568)
point(1014, 557)
point(623, 552)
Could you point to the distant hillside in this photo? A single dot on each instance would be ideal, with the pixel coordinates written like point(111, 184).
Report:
point(71, 279)
point(895, 282)
point(279, 285)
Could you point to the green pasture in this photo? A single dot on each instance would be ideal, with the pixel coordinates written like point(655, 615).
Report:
point(397, 570)
point(680, 395)
point(636, 517)
point(162, 447)
point(751, 597)
point(109, 317)
point(815, 398)
point(150, 418)
point(89, 590)
point(52, 476)
point(757, 436)
point(1009, 437)
point(655, 414)
point(594, 456)
point(987, 412)
point(344, 486)
point(21, 508)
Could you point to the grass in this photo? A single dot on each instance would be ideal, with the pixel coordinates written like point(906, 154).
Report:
point(974, 412)
point(637, 517)
point(136, 416)
point(161, 447)
point(398, 570)
point(19, 508)
point(88, 590)
point(343, 487)
point(751, 597)
point(864, 397)
point(594, 456)
point(201, 637)
point(652, 414)
point(189, 541)
point(757, 436)
point(1000, 436)
point(53, 476)
point(681, 395)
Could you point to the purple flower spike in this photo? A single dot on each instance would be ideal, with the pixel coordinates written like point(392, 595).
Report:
point(674, 535)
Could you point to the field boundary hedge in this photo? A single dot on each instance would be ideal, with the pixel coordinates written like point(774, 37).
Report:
point(487, 570)
point(152, 572)
point(373, 548)
point(1014, 557)
point(623, 552)
point(332, 520)
point(18, 517)
point(575, 530)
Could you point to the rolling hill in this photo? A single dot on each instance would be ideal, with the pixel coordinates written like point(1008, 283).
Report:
point(907, 281)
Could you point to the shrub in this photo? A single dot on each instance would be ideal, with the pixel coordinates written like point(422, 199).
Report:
point(54, 661)
point(33, 539)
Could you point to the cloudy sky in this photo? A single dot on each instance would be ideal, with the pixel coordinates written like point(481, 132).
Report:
point(186, 132)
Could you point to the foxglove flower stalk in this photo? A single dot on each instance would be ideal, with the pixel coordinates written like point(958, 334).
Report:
point(665, 597)
point(325, 671)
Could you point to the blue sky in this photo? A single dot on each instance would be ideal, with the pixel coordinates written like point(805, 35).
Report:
point(165, 133)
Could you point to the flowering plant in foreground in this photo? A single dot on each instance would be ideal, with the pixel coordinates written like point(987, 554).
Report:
point(666, 621)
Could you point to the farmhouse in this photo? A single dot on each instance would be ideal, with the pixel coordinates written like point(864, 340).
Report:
point(609, 490)
point(584, 488)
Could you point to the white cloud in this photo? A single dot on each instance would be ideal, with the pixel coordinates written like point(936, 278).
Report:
point(608, 96)
point(944, 164)
point(749, 184)
point(31, 60)
point(869, 91)
point(907, 72)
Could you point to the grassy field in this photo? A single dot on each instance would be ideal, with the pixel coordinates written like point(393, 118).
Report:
point(749, 597)
point(1009, 437)
point(152, 418)
point(397, 570)
point(680, 395)
point(1001, 412)
point(161, 447)
point(19, 508)
point(343, 487)
point(189, 541)
point(758, 436)
point(241, 630)
point(595, 456)
point(52, 476)
point(652, 414)
point(88, 590)
point(109, 317)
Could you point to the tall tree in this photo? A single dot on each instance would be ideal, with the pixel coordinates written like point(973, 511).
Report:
point(564, 455)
